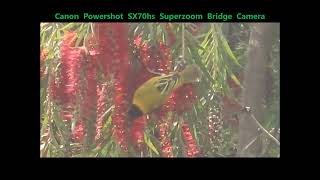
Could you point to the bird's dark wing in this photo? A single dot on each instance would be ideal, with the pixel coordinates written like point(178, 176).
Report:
point(166, 83)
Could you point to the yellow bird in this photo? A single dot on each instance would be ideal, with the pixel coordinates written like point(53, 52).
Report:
point(155, 92)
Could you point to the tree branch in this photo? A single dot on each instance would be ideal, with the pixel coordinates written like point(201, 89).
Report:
point(261, 127)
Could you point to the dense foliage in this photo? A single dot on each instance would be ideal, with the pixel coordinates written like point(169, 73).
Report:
point(89, 72)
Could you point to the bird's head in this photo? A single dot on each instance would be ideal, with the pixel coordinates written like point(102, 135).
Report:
point(191, 74)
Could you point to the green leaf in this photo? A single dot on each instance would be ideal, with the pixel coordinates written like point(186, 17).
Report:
point(54, 141)
point(68, 26)
point(195, 134)
point(150, 144)
point(145, 32)
point(228, 50)
point(44, 124)
point(236, 80)
point(81, 34)
point(191, 39)
point(43, 96)
point(108, 122)
point(58, 35)
point(151, 34)
point(233, 77)
point(198, 61)
point(133, 28)
point(154, 139)
point(51, 39)
point(209, 55)
point(59, 122)
point(165, 33)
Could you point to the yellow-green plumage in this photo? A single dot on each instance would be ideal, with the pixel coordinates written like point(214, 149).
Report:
point(155, 92)
point(151, 95)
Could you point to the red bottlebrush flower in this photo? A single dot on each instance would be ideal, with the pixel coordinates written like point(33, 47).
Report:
point(78, 133)
point(165, 120)
point(184, 97)
point(156, 59)
point(100, 58)
point(166, 58)
point(137, 41)
point(90, 97)
point(164, 124)
point(166, 145)
point(170, 105)
point(137, 132)
point(191, 145)
point(151, 57)
point(214, 127)
point(119, 117)
point(166, 148)
point(70, 67)
point(88, 107)
point(145, 56)
point(119, 42)
point(43, 57)
point(100, 46)
point(101, 108)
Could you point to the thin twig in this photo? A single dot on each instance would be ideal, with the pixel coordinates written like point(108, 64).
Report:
point(153, 72)
point(183, 43)
point(268, 143)
point(250, 143)
point(107, 111)
point(263, 129)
